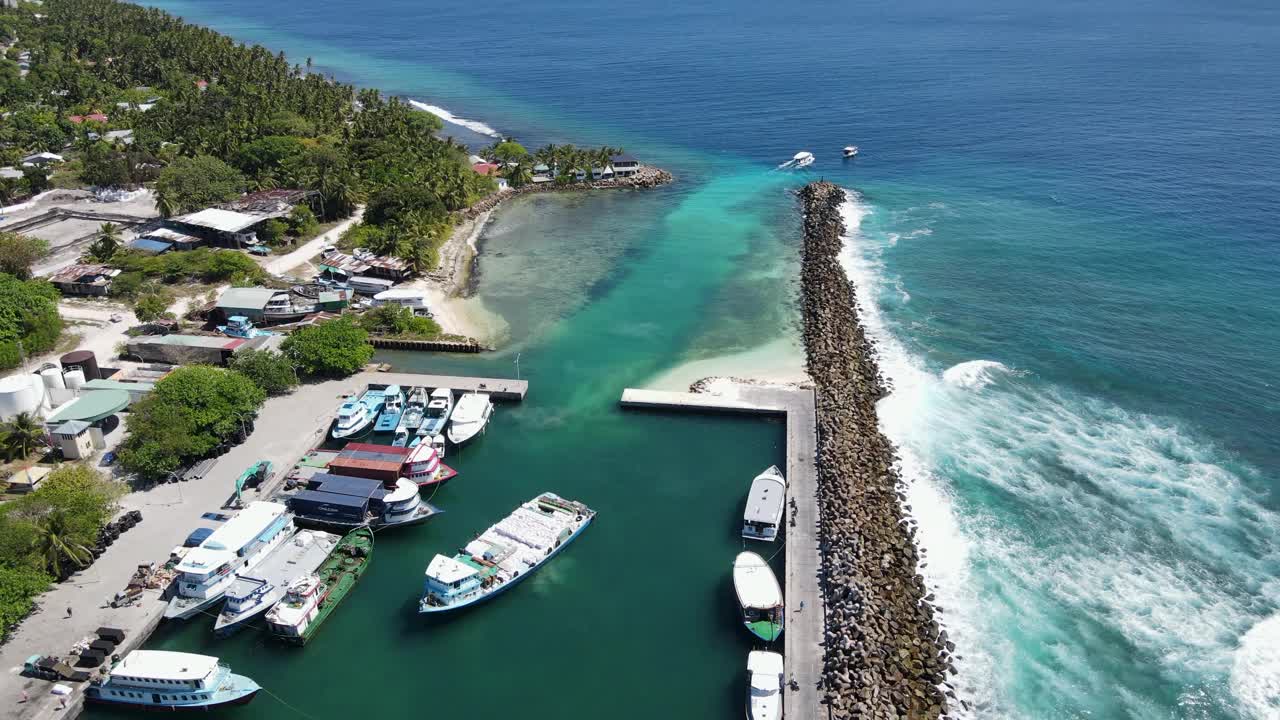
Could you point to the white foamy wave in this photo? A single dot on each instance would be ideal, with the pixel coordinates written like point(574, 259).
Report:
point(1255, 674)
point(473, 125)
point(974, 375)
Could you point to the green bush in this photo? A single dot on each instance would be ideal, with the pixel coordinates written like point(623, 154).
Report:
point(399, 321)
point(19, 587)
point(28, 315)
point(19, 252)
point(332, 349)
point(200, 265)
point(190, 184)
point(269, 370)
point(152, 306)
point(272, 232)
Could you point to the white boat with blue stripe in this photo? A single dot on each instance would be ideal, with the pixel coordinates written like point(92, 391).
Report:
point(163, 680)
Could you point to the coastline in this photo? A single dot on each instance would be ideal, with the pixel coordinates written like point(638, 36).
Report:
point(885, 653)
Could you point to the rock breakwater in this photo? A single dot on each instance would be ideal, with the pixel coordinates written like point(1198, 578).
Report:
point(885, 654)
point(646, 177)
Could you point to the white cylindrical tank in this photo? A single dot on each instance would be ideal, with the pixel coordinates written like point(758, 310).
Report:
point(74, 378)
point(52, 377)
point(20, 393)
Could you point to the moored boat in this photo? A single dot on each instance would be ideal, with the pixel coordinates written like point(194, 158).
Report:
point(255, 592)
point(470, 416)
point(505, 554)
point(165, 680)
point(392, 409)
point(415, 408)
point(766, 503)
point(310, 600)
point(357, 415)
point(759, 596)
point(424, 468)
point(764, 685)
point(436, 416)
point(338, 502)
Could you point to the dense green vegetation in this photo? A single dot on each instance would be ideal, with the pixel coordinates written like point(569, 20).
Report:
point(28, 316)
point(332, 349)
point(19, 252)
point(48, 534)
point(20, 435)
point(190, 184)
point(190, 413)
point(204, 265)
point(392, 320)
point(269, 370)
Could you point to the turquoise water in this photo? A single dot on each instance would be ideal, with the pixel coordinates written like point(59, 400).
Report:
point(1064, 241)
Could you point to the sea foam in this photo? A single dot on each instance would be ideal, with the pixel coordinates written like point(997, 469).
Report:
point(473, 125)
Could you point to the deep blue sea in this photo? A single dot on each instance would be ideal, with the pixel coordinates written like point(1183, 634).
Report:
point(1064, 236)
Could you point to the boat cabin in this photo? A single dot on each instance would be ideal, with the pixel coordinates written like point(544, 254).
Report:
point(766, 504)
point(450, 578)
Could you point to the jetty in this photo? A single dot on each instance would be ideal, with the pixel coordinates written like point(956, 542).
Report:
point(499, 389)
point(803, 639)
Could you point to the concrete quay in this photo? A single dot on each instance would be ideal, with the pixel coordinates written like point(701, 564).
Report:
point(803, 637)
point(499, 389)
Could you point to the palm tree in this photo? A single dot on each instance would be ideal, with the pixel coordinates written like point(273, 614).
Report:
point(56, 542)
point(21, 435)
point(518, 175)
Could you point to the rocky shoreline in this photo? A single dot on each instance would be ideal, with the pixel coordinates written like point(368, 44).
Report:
point(885, 654)
point(646, 177)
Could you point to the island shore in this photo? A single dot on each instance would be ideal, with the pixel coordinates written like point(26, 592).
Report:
point(886, 656)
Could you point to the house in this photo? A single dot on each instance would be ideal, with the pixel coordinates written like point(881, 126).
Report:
point(225, 228)
point(121, 137)
point(604, 173)
point(150, 247)
point(42, 159)
point(176, 240)
point(73, 439)
point(342, 268)
point(250, 302)
point(11, 173)
point(91, 117)
point(25, 481)
point(502, 183)
point(415, 300)
point(84, 279)
point(625, 165)
point(486, 168)
point(136, 389)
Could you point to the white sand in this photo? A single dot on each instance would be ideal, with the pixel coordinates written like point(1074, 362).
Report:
point(780, 362)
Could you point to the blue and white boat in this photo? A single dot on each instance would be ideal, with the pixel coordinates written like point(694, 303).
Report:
point(505, 554)
point(357, 415)
point(164, 680)
point(392, 409)
point(439, 408)
point(254, 592)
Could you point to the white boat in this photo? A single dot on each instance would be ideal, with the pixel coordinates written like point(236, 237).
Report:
point(802, 159)
point(165, 680)
point(759, 596)
point(401, 439)
point(439, 408)
point(437, 442)
point(766, 504)
point(764, 685)
point(207, 571)
point(850, 151)
point(256, 591)
point(357, 415)
point(469, 417)
point(415, 410)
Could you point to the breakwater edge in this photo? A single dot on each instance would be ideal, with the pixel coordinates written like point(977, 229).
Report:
point(885, 652)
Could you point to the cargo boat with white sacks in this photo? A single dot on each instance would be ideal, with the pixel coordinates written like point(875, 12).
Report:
point(505, 554)
point(257, 591)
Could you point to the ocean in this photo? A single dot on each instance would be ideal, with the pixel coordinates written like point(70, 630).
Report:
point(1062, 232)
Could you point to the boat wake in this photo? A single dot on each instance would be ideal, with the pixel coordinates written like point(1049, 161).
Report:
point(1123, 566)
point(473, 125)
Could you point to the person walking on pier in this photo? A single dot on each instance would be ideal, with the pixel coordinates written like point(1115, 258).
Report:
point(68, 611)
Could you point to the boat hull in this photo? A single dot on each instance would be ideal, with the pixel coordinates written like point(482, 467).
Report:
point(766, 630)
point(339, 434)
point(331, 603)
point(206, 707)
point(331, 524)
point(425, 609)
point(226, 627)
point(185, 611)
point(462, 438)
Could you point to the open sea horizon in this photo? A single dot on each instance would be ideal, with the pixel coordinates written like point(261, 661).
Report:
point(1062, 229)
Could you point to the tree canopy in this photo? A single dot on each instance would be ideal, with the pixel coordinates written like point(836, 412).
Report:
point(19, 252)
point(336, 348)
point(191, 411)
point(268, 369)
point(28, 315)
point(190, 184)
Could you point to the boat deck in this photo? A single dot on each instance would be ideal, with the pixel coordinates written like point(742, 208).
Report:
point(804, 635)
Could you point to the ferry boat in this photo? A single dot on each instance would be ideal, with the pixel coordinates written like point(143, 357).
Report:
point(759, 596)
point(423, 467)
point(437, 413)
point(392, 409)
point(764, 685)
point(208, 570)
point(766, 503)
point(310, 599)
point(337, 502)
point(255, 592)
point(850, 151)
point(505, 554)
point(165, 680)
point(357, 415)
point(469, 417)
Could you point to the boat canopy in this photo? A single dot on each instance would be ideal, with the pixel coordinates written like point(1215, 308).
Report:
point(446, 570)
point(764, 662)
point(755, 582)
point(165, 665)
point(765, 501)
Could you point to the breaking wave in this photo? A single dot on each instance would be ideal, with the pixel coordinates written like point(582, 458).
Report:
point(473, 125)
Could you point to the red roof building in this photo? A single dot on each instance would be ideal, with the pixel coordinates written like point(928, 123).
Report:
point(367, 460)
point(486, 168)
point(92, 117)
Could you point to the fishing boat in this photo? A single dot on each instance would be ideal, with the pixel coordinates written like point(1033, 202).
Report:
point(766, 503)
point(469, 417)
point(401, 439)
point(759, 596)
point(415, 410)
point(338, 502)
point(850, 151)
point(205, 573)
point(357, 415)
point(802, 159)
point(310, 599)
point(505, 554)
point(392, 409)
point(165, 680)
point(239, 326)
point(424, 468)
point(764, 685)
point(437, 413)
point(257, 591)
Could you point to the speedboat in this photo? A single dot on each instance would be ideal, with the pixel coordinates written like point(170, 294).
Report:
point(764, 685)
point(469, 417)
point(766, 502)
point(759, 596)
point(437, 413)
point(402, 438)
point(802, 159)
point(393, 408)
point(357, 415)
point(850, 150)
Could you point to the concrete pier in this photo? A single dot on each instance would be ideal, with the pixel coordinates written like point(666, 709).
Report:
point(499, 389)
point(803, 636)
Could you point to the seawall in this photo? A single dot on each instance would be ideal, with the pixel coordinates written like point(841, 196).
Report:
point(885, 655)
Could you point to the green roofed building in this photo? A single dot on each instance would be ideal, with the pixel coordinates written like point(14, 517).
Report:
point(91, 407)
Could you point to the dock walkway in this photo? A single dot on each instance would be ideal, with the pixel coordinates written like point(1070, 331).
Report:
point(499, 389)
point(804, 633)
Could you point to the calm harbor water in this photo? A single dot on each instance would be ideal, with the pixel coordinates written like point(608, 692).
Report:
point(1064, 241)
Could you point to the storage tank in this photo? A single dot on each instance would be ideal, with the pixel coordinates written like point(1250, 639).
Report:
point(20, 393)
point(52, 376)
point(74, 378)
point(83, 359)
